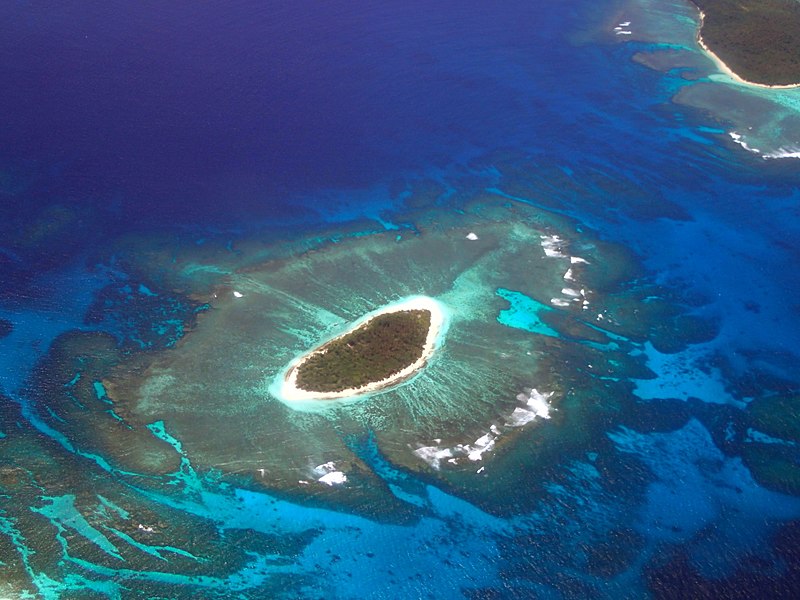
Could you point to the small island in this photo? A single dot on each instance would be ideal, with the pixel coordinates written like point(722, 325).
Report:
point(382, 349)
point(378, 349)
point(755, 41)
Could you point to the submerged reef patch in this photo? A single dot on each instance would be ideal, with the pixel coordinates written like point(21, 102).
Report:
point(539, 315)
point(546, 337)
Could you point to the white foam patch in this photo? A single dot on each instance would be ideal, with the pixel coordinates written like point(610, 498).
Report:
point(483, 444)
point(328, 474)
point(569, 276)
point(472, 236)
point(325, 468)
point(539, 402)
point(536, 405)
point(552, 246)
point(577, 259)
point(237, 294)
point(559, 302)
point(571, 292)
point(521, 417)
point(791, 152)
point(434, 455)
point(333, 478)
point(737, 138)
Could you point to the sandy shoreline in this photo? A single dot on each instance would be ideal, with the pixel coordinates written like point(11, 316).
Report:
point(291, 393)
point(727, 70)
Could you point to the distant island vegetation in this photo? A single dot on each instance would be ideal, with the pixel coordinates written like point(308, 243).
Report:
point(759, 40)
point(380, 348)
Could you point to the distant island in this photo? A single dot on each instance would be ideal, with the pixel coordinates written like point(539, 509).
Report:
point(383, 349)
point(755, 41)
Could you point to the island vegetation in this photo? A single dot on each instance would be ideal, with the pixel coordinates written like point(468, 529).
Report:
point(382, 347)
point(759, 40)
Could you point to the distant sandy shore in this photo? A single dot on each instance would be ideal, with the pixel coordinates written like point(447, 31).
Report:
point(727, 70)
point(290, 392)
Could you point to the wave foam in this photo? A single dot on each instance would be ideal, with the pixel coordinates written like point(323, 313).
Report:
point(552, 246)
point(333, 478)
point(737, 139)
point(434, 455)
point(328, 474)
point(535, 405)
point(790, 152)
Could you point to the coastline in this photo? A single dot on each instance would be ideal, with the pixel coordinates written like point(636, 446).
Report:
point(291, 393)
point(728, 71)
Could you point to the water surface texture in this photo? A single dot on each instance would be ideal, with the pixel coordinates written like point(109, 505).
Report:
point(194, 196)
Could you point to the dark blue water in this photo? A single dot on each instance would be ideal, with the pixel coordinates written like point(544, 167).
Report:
point(190, 122)
point(208, 112)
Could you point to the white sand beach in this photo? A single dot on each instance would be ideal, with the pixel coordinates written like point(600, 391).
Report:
point(290, 392)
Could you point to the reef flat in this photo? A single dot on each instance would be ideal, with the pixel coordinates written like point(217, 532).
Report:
point(756, 41)
point(385, 348)
point(192, 200)
point(528, 310)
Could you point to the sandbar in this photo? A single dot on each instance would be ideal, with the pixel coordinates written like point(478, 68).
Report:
point(289, 391)
point(728, 71)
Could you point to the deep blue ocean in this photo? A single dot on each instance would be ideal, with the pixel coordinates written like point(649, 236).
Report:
point(156, 156)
